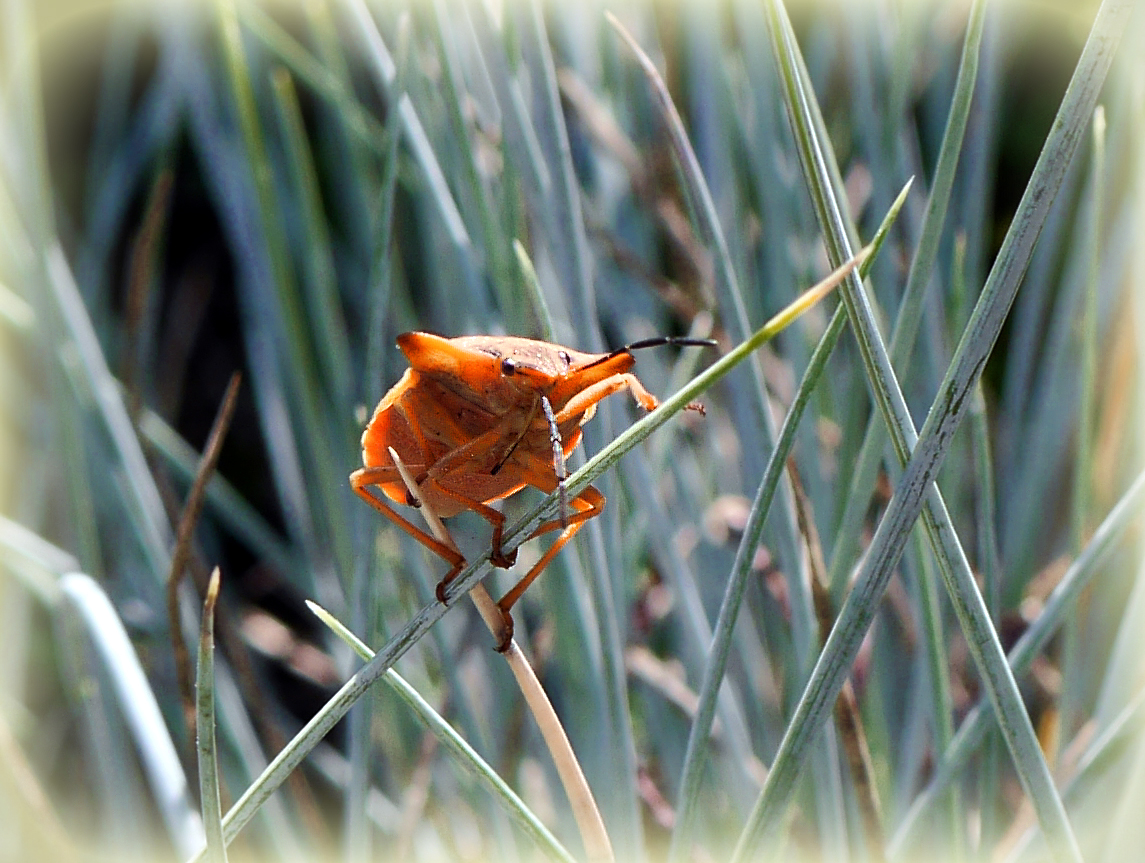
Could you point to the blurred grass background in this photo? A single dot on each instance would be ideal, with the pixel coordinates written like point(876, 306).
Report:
point(191, 190)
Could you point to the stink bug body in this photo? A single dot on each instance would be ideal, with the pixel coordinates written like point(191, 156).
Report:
point(476, 419)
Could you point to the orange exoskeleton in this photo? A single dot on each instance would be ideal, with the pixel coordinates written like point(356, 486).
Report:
point(476, 419)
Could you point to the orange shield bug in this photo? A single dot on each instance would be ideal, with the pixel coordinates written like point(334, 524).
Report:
point(475, 419)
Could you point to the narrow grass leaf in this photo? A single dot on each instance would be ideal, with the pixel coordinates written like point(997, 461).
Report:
point(711, 232)
point(87, 600)
point(456, 745)
point(294, 347)
point(415, 135)
point(1033, 640)
point(1073, 667)
point(1085, 443)
point(319, 282)
point(696, 753)
point(572, 260)
point(909, 317)
point(986, 520)
point(205, 725)
point(315, 75)
point(45, 562)
point(824, 760)
point(534, 291)
point(937, 673)
point(147, 508)
point(915, 485)
point(381, 266)
point(495, 244)
point(1107, 752)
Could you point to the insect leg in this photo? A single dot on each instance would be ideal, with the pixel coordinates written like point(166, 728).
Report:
point(361, 479)
point(497, 557)
point(587, 504)
point(589, 396)
point(558, 460)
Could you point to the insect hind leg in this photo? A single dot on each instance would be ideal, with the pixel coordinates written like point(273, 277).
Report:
point(588, 504)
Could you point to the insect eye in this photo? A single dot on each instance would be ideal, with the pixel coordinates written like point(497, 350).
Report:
point(508, 367)
point(564, 358)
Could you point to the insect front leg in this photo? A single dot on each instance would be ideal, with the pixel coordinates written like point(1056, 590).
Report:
point(589, 396)
point(361, 479)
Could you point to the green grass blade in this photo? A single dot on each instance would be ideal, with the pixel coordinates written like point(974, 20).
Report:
point(692, 773)
point(571, 253)
point(1112, 750)
point(908, 501)
point(37, 562)
point(454, 743)
point(91, 606)
point(1072, 656)
point(730, 296)
point(365, 589)
point(320, 288)
point(415, 136)
point(146, 508)
point(381, 267)
point(569, 249)
point(986, 518)
point(976, 724)
point(1085, 443)
point(294, 350)
point(533, 290)
point(495, 242)
point(911, 308)
point(36, 307)
point(349, 160)
point(205, 728)
point(711, 233)
point(315, 75)
point(938, 675)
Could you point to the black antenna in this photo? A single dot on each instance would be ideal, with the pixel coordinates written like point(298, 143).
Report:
point(655, 342)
